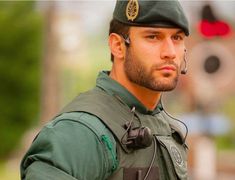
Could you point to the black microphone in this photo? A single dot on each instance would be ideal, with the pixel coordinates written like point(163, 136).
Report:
point(184, 71)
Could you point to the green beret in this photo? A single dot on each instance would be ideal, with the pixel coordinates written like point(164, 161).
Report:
point(151, 13)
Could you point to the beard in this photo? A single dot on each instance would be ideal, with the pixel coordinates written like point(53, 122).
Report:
point(137, 73)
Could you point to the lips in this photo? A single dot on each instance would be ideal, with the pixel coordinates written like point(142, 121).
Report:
point(168, 68)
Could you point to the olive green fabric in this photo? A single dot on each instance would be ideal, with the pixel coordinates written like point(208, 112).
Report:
point(78, 143)
point(43, 171)
point(72, 148)
point(153, 13)
point(113, 88)
point(114, 111)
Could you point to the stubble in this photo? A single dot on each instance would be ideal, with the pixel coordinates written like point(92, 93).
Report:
point(137, 73)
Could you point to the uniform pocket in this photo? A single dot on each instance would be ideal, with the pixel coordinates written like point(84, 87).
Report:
point(177, 153)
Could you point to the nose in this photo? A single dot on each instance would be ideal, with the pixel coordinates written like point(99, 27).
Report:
point(168, 50)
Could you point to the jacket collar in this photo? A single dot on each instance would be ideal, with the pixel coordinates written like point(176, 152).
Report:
point(112, 87)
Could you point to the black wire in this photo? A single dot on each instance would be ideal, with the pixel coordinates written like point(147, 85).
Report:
point(128, 127)
point(186, 128)
point(153, 158)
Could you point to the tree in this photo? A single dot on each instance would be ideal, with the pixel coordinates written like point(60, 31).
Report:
point(20, 54)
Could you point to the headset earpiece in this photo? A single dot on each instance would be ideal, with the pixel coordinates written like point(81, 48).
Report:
point(126, 39)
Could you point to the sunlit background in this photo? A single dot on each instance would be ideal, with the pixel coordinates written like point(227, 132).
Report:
point(50, 51)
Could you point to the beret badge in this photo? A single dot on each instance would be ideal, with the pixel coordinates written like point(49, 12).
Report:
point(132, 10)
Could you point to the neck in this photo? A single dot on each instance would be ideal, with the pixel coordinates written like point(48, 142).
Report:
point(147, 97)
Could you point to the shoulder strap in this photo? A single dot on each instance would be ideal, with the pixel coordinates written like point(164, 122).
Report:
point(101, 131)
point(94, 124)
point(174, 126)
point(105, 107)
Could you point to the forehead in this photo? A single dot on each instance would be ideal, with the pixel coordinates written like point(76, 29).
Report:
point(155, 30)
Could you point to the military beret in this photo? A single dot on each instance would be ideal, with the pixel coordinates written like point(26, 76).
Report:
point(156, 13)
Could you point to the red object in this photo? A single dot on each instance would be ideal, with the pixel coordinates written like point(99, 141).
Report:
point(212, 29)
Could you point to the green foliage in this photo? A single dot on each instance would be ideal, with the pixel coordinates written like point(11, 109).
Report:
point(20, 53)
point(7, 173)
point(225, 142)
point(84, 77)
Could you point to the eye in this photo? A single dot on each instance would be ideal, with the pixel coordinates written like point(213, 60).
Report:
point(151, 36)
point(154, 36)
point(178, 37)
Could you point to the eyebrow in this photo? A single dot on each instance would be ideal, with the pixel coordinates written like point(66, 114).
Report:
point(179, 31)
point(156, 31)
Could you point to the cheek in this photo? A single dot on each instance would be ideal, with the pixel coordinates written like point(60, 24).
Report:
point(146, 52)
point(181, 59)
point(138, 59)
point(180, 55)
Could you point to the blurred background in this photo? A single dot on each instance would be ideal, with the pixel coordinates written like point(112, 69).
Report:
point(50, 51)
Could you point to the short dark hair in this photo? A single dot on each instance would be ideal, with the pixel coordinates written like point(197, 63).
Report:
point(118, 28)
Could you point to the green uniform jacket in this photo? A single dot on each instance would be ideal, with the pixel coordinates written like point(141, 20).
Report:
point(82, 145)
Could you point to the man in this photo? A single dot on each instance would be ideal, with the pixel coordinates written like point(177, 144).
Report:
point(119, 130)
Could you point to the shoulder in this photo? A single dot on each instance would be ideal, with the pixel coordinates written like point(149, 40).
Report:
point(72, 141)
point(79, 120)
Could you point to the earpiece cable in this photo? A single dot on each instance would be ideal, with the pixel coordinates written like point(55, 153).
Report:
point(128, 127)
point(153, 158)
point(186, 128)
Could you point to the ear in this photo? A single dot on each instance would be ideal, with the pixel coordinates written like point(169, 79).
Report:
point(116, 45)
